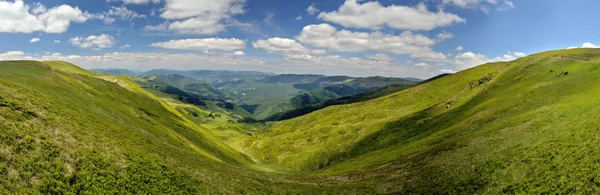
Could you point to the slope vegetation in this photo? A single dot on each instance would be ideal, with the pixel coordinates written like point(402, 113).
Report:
point(68, 131)
point(520, 127)
point(511, 127)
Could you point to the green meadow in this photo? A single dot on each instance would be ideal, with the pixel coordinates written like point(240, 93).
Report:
point(508, 127)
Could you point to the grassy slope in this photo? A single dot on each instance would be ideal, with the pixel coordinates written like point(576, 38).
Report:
point(306, 109)
point(71, 133)
point(504, 127)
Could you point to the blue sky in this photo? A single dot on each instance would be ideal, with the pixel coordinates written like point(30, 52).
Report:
point(408, 38)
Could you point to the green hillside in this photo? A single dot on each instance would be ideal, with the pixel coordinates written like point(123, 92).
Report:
point(307, 90)
point(515, 127)
point(70, 133)
point(199, 88)
point(511, 127)
point(257, 95)
point(312, 106)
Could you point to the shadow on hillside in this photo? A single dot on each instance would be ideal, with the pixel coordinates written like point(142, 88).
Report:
point(432, 126)
point(416, 127)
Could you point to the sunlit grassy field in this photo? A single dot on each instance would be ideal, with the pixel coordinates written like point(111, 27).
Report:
point(510, 127)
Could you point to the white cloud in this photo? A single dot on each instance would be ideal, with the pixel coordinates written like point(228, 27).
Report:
point(239, 53)
point(93, 42)
point(34, 40)
point(135, 1)
point(160, 27)
point(459, 48)
point(312, 10)
point(470, 59)
point(585, 45)
point(589, 45)
point(519, 54)
point(283, 45)
point(327, 36)
point(447, 71)
point(199, 26)
point(125, 46)
point(122, 13)
point(38, 8)
point(444, 35)
point(380, 57)
point(203, 44)
point(337, 65)
point(13, 55)
point(201, 17)
point(372, 15)
point(58, 19)
point(329, 65)
point(15, 18)
point(299, 17)
point(483, 5)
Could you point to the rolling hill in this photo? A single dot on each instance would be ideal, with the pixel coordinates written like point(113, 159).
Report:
point(69, 131)
point(514, 127)
point(510, 127)
point(261, 95)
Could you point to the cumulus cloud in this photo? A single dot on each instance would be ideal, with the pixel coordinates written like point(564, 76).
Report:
point(312, 10)
point(355, 66)
point(125, 46)
point(200, 26)
point(34, 40)
point(159, 27)
point(447, 71)
point(17, 17)
point(239, 53)
point(135, 1)
point(13, 55)
point(372, 15)
point(585, 45)
point(588, 45)
point(299, 17)
point(58, 19)
point(444, 35)
point(483, 5)
point(93, 42)
point(203, 44)
point(202, 17)
point(283, 45)
point(328, 65)
point(327, 36)
point(380, 57)
point(459, 48)
point(469, 59)
point(122, 13)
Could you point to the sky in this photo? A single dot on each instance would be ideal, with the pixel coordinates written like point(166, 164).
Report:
point(395, 38)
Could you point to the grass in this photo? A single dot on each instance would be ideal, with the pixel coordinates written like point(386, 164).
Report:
point(510, 127)
point(66, 133)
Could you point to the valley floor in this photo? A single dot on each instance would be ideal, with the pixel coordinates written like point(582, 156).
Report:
point(511, 127)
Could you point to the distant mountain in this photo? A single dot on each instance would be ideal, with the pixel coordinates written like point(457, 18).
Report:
point(192, 91)
point(418, 80)
point(117, 72)
point(261, 94)
point(309, 102)
point(318, 94)
point(212, 76)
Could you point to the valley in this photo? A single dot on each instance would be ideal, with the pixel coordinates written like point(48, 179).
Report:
point(504, 127)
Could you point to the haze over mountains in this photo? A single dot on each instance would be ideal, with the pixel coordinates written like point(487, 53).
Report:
point(259, 95)
point(523, 126)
